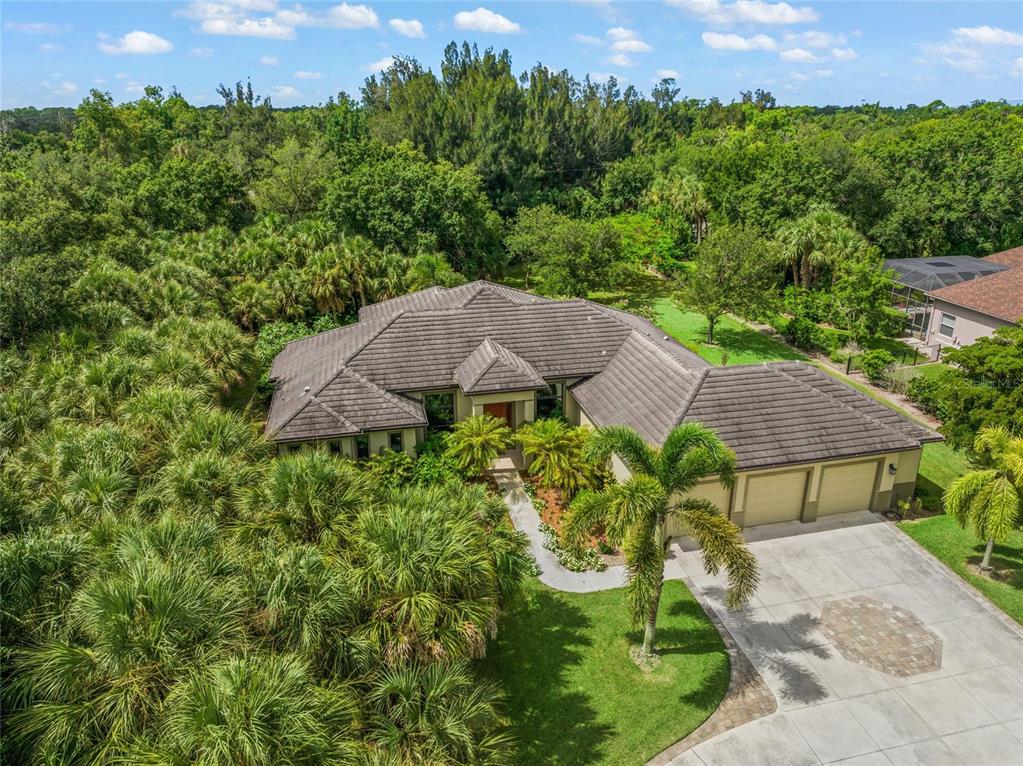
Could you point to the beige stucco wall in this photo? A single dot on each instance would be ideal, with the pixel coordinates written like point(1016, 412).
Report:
point(970, 325)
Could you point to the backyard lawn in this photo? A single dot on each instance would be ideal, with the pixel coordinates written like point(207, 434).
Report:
point(741, 342)
point(574, 695)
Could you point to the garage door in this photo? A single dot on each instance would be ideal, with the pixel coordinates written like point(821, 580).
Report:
point(705, 490)
point(846, 487)
point(775, 497)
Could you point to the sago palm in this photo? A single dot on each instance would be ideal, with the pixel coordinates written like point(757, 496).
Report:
point(477, 441)
point(556, 450)
point(989, 499)
point(635, 513)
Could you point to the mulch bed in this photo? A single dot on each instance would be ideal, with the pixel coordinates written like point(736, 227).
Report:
point(551, 506)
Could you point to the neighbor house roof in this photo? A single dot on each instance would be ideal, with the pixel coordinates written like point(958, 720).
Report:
point(487, 338)
point(926, 274)
point(998, 295)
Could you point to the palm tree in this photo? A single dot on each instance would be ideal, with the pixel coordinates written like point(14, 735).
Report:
point(990, 499)
point(476, 442)
point(311, 497)
point(683, 196)
point(437, 714)
point(635, 513)
point(257, 711)
point(813, 244)
point(556, 449)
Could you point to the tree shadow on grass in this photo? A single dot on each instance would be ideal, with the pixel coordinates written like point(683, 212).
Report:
point(746, 340)
point(539, 637)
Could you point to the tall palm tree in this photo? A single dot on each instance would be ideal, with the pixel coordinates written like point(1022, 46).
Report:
point(683, 196)
point(635, 513)
point(556, 449)
point(815, 243)
point(989, 499)
point(476, 442)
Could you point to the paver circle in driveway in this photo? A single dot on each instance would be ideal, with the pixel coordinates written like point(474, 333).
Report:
point(964, 707)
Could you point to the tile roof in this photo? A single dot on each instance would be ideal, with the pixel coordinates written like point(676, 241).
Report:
point(491, 368)
point(487, 338)
point(1011, 257)
point(997, 295)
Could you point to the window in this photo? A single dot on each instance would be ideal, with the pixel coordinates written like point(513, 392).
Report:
point(550, 402)
point(335, 448)
point(947, 326)
point(395, 441)
point(362, 446)
point(440, 410)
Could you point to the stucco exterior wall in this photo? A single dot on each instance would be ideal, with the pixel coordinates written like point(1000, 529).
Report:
point(970, 325)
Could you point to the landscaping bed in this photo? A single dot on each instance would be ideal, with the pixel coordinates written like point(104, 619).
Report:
point(574, 696)
point(549, 503)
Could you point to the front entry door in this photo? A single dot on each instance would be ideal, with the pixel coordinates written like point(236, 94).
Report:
point(499, 410)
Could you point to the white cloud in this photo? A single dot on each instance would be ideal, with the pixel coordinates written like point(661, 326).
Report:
point(666, 74)
point(816, 39)
point(121, 76)
point(378, 66)
point(746, 12)
point(342, 16)
point(985, 35)
point(602, 77)
point(798, 56)
point(269, 60)
point(483, 20)
point(134, 88)
point(824, 72)
point(631, 46)
point(51, 48)
point(620, 59)
point(264, 27)
point(36, 27)
point(408, 27)
point(201, 53)
point(844, 54)
point(966, 63)
point(1017, 69)
point(303, 74)
point(61, 88)
point(621, 33)
point(137, 43)
point(587, 39)
point(730, 42)
point(799, 76)
point(285, 91)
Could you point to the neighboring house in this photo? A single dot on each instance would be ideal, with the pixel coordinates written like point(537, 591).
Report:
point(806, 444)
point(954, 300)
point(974, 309)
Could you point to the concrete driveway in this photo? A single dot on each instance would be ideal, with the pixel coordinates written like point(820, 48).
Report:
point(876, 652)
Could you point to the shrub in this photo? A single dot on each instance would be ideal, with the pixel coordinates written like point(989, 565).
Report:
point(800, 332)
point(476, 442)
point(575, 561)
point(877, 364)
point(556, 451)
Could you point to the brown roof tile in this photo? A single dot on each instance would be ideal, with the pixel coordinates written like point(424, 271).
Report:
point(998, 295)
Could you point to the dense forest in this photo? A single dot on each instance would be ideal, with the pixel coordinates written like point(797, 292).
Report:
point(174, 593)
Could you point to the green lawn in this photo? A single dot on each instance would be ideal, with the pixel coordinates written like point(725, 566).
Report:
point(742, 343)
point(944, 538)
point(574, 694)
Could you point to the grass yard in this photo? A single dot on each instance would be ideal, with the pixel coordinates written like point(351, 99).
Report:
point(574, 694)
point(741, 342)
point(956, 547)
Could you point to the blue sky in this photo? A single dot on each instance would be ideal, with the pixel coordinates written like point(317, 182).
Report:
point(805, 53)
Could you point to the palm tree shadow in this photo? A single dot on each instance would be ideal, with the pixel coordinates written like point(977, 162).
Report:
point(540, 636)
point(776, 646)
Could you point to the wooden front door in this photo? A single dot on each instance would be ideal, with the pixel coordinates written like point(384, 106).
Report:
point(499, 410)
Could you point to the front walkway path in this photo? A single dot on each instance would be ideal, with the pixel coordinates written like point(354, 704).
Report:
point(875, 652)
point(526, 519)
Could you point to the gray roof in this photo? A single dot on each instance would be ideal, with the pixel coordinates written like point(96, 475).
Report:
point(491, 367)
point(486, 338)
point(770, 414)
point(926, 274)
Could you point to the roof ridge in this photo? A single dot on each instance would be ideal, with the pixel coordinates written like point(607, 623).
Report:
point(393, 398)
point(393, 318)
point(493, 358)
point(777, 366)
point(344, 421)
point(697, 385)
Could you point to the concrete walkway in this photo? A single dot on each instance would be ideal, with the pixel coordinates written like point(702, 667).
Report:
point(526, 519)
point(875, 651)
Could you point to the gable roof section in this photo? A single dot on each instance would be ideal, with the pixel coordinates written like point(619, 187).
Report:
point(997, 295)
point(433, 298)
point(773, 414)
point(641, 387)
point(491, 367)
point(1012, 257)
point(349, 404)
